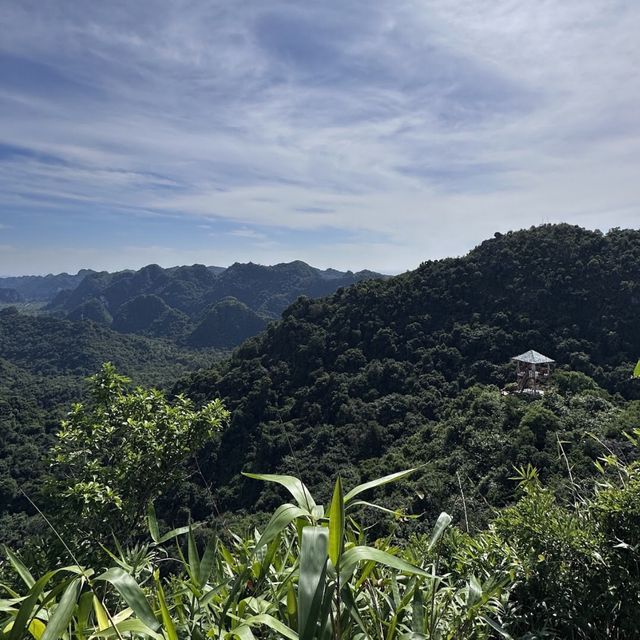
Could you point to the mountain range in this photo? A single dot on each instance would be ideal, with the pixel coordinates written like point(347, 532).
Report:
point(194, 305)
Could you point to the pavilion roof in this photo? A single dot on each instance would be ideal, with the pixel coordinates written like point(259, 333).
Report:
point(532, 357)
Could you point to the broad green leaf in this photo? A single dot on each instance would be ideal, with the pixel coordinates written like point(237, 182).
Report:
point(101, 615)
point(418, 611)
point(20, 568)
point(474, 592)
point(208, 560)
point(336, 524)
point(192, 554)
point(271, 622)
point(311, 583)
point(152, 521)
point(636, 371)
point(134, 626)
point(63, 612)
point(132, 595)
point(496, 627)
point(351, 557)
point(443, 521)
point(376, 483)
point(283, 516)
point(295, 487)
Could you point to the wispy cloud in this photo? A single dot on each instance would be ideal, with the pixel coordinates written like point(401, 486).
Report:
point(395, 131)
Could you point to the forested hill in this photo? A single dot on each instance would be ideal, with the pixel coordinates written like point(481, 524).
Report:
point(198, 305)
point(348, 379)
point(43, 365)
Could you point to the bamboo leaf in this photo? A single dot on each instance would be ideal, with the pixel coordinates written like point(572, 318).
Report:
point(311, 583)
point(134, 626)
point(295, 487)
point(37, 628)
point(351, 557)
point(268, 557)
point(208, 560)
point(192, 554)
point(418, 625)
point(376, 483)
point(474, 592)
point(336, 524)
point(152, 521)
point(396, 513)
point(174, 533)
point(63, 612)
point(84, 610)
point(27, 606)
point(20, 568)
point(496, 627)
point(101, 614)
point(292, 607)
point(243, 632)
point(283, 516)
point(272, 623)
point(132, 595)
point(443, 521)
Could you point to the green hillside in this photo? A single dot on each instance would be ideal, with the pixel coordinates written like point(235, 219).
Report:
point(181, 303)
point(379, 370)
point(43, 365)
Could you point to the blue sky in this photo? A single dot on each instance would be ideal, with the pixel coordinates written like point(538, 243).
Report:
point(349, 134)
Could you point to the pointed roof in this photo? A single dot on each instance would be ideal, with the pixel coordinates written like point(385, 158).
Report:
point(532, 357)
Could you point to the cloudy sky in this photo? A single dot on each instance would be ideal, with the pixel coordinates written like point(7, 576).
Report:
point(353, 134)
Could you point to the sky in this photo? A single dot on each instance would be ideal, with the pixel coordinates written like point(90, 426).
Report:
point(349, 134)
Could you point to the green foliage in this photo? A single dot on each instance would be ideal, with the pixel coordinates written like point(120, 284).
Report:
point(43, 365)
point(387, 369)
point(123, 450)
point(281, 586)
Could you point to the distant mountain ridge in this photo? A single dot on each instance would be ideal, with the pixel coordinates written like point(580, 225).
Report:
point(42, 288)
point(198, 305)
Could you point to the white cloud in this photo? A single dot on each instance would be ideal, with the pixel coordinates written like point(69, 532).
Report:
point(428, 124)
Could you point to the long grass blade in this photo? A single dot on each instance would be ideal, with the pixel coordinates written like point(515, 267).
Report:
point(352, 556)
point(295, 487)
point(376, 483)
